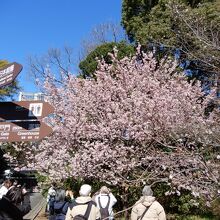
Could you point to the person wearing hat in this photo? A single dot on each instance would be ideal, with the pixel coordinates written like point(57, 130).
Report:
point(147, 208)
point(105, 200)
point(83, 205)
point(51, 196)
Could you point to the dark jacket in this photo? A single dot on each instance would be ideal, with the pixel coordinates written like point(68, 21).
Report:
point(58, 210)
point(25, 206)
point(10, 211)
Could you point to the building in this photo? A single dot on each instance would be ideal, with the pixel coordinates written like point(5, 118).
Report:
point(27, 96)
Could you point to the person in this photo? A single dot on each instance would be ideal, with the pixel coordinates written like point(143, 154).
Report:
point(26, 203)
point(69, 195)
point(5, 187)
point(147, 208)
point(58, 208)
point(83, 205)
point(105, 200)
point(14, 184)
point(13, 206)
point(51, 195)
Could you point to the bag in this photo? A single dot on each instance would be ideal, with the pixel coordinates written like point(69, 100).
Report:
point(104, 211)
point(59, 217)
point(60, 210)
point(57, 214)
point(86, 216)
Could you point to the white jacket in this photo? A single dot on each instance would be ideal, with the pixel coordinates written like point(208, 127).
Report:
point(3, 191)
point(104, 202)
point(51, 192)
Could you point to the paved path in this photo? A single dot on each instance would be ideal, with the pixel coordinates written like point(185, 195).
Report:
point(35, 199)
point(41, 215)
point(37, 204)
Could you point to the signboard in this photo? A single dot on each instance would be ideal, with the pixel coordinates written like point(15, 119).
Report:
point(23, 131)
point(9, 73)
point(24, 110)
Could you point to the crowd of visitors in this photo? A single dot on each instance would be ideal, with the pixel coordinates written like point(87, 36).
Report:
point(63, 206)
point(14, 201)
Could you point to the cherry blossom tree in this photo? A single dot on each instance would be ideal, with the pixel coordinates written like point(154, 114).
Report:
point(140, 121)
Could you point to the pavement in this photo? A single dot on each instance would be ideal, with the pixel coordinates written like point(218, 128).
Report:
point(42, 215)
point(38, 203)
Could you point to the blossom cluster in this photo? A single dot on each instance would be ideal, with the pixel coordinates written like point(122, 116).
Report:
point(138, 121)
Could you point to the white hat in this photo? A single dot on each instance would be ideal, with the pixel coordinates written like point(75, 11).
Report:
point(85, 190)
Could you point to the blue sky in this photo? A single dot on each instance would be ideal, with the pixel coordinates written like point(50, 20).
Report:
point(31, 27)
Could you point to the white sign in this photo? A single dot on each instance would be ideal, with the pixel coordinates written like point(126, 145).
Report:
point(35, 109)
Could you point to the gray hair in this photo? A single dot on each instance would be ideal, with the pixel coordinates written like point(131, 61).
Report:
point(105, 190)
point(147, 191)
point(60, 195)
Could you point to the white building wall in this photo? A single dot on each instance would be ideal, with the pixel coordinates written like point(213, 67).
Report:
point(27, 96)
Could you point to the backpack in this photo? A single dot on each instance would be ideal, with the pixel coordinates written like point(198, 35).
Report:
point(86, 215)
point(57, 213)
point(60, 210)
point(104, 211)
point(59, 217)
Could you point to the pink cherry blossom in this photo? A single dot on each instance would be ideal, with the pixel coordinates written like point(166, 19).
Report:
point(138, 121)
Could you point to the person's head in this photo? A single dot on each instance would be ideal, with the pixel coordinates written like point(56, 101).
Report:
point(85, 190)
point(15, 183)
point(147, 191)
point(60, 195)
point(7, 183)
point(104, 190)
point(15, 195)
